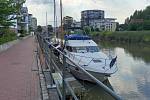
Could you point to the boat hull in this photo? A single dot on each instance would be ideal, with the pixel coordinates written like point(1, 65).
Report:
point(82, 76)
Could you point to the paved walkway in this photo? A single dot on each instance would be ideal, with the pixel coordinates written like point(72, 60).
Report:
point(17, 80)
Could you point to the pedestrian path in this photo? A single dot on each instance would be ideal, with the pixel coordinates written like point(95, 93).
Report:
point(17, 80)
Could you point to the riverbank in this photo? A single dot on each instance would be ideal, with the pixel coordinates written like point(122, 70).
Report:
point(123, 36)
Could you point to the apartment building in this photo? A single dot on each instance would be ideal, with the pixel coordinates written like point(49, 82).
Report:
point(96, 19)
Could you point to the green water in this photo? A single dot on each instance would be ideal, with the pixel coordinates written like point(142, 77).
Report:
point(132, 80)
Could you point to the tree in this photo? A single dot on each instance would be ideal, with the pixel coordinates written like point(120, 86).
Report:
point(140, 20)
point(127, 21)
point(50, 28)
point(117, 26)
point(5, 11)
point(8, 11)
point(39, 29)
point(92, 29)
point(87, 29)
point(97, 29)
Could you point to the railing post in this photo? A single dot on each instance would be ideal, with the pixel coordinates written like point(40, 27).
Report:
point(51, 68)
point(45, 53)
point(63, 77)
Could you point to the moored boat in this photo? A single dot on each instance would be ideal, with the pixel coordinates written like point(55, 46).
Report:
point(83, 51)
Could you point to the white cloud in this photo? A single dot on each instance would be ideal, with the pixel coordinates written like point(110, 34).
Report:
point(119, 9)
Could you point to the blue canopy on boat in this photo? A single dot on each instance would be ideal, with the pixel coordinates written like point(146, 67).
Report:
point(77, 37)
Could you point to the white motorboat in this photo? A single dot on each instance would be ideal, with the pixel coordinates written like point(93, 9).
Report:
point(83, 51)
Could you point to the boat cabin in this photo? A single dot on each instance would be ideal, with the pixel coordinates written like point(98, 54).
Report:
point(80, 44)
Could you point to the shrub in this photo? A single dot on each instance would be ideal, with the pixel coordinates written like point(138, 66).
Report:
point(125, 36)
point(7, 36)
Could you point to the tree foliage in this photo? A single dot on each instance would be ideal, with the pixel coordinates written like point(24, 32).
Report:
point(39, 29)
point(9, 9)
point(50, 28)
point(87, 29)
point(140, 20)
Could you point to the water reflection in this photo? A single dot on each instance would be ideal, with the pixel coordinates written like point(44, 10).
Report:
point(132, 80)
point(94, 92)
point(137, 51)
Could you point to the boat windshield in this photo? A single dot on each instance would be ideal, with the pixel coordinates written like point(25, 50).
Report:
point(85, 49)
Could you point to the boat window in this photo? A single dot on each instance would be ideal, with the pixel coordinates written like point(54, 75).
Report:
point(85, 49)
point(92, 49)
point(79, 49)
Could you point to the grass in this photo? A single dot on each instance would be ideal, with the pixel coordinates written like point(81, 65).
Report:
point(124, 36)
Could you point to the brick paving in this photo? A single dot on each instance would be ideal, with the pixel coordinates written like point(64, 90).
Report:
point(17, 80)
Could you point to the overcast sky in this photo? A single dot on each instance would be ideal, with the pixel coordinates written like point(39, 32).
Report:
point(120, 9)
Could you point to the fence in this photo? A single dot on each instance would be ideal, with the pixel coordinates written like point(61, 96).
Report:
point(48, 49)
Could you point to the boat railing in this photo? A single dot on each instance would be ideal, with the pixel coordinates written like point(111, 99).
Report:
point(46, 46)
point(108, 52)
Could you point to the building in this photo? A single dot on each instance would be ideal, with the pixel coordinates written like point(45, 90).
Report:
point(14, 26)
point(110, 24)
point(34, 23)
point(30, 21)
point(76, 25)
point(67, 22)
point(96, 20)
point(107, 24)
point(23, 24)
point(88, 16)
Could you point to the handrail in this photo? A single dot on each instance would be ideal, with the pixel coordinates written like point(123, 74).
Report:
point(72, 92)
point(42, 43)
point(108, 90)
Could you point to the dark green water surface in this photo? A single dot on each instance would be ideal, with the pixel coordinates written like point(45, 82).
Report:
point(132, 80)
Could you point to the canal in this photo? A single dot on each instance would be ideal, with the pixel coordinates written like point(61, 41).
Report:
point(132, 80)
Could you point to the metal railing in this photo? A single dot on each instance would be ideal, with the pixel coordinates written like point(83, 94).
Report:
point(48, 48)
